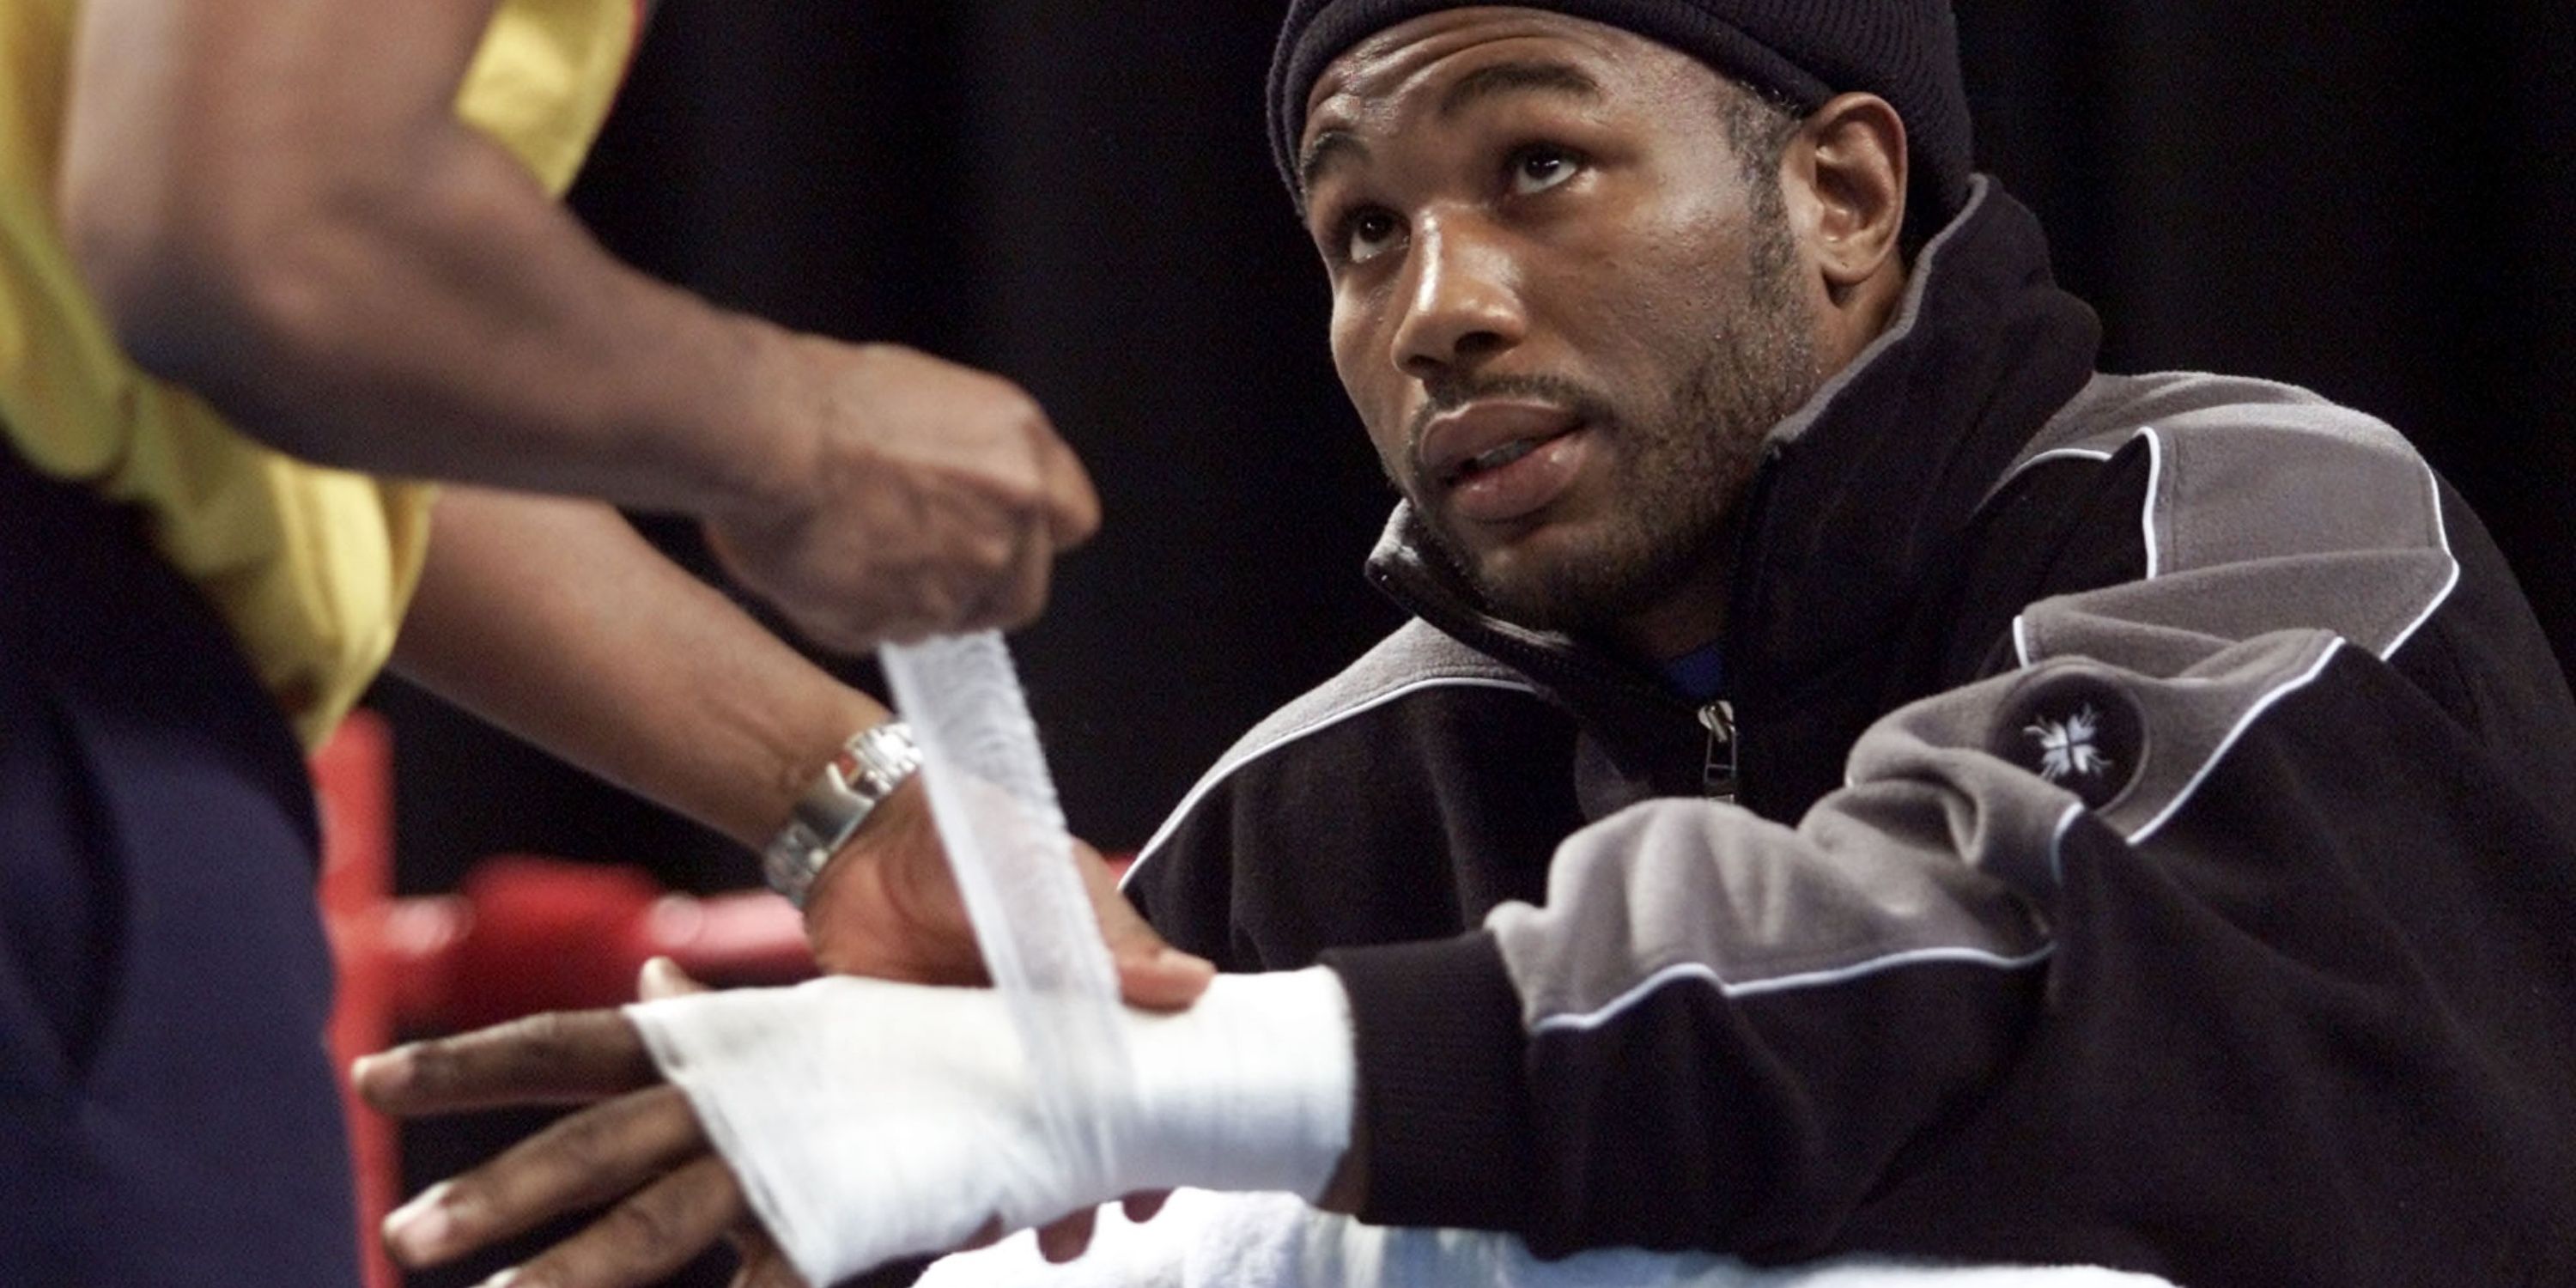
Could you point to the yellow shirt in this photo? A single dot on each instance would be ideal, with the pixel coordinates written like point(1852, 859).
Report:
point(311, 567)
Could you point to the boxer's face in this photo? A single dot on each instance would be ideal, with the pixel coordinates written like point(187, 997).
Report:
point(1564, 308)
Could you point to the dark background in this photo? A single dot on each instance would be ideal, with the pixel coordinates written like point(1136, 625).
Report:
point(2370, 200)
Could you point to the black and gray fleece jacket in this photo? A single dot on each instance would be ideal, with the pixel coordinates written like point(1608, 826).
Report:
point(2153, 844)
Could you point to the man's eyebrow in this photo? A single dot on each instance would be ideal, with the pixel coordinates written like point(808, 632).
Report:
point(1333, 147)
point(1329, 148)
point(1513, 78)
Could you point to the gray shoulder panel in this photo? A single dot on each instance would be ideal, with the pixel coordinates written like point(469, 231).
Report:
point(2268, 509)
point(2112, 409)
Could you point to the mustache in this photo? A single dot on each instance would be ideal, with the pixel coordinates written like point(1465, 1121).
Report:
point(1449, 395)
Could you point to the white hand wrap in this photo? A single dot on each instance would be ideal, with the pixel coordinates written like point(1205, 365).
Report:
point(869, 1120)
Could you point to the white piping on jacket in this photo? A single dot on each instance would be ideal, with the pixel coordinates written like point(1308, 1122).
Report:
point(2441, 535)
point(2244, 722)
point(2147, 512)
point(1784, 983)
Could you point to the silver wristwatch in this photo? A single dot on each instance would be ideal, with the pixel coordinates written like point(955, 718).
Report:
point(868, 768)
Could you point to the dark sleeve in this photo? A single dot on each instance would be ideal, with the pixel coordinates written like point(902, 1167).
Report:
point(2199, 940)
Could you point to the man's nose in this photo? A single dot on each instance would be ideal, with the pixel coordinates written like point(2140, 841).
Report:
point(1465, 303)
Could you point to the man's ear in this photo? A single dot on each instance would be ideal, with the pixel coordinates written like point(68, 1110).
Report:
point(1845, 176)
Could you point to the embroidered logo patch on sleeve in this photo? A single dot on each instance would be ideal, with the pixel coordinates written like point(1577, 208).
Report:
point(2079, 732)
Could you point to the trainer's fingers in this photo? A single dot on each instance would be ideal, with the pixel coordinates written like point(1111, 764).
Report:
point(557, 1058)
point(647, 1237)
point(763, 1265)
point(1063, 1240)
point(1013, 597)
point(1144, 1205)
point(1031, 566)
point(985, 1236)
point(1151, 973)
point(1073, 506)
point(773, 1272)
point(1162, 978)
point(575, 1163)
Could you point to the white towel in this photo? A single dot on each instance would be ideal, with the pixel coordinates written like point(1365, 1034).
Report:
point(1209, 1240)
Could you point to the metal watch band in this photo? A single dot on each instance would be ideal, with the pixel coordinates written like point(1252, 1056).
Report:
point(867, 769)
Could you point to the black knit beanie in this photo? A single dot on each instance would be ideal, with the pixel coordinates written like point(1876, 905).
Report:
point(1799, 51)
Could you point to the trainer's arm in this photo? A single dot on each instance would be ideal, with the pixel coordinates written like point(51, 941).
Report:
point(555, 620)
point(278, 207)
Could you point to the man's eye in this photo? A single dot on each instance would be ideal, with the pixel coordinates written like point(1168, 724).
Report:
point(1539, 168)
point(1369, 233)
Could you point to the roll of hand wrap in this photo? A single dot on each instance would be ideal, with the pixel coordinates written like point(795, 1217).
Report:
point(870, 1120)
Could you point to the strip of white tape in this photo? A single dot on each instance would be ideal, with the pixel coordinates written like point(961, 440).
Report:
point(997, 813)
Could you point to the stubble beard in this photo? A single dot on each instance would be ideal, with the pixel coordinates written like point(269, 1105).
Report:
point(1682, 475)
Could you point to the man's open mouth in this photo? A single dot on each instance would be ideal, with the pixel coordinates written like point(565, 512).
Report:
point(1495, 459)
point(1486, 435)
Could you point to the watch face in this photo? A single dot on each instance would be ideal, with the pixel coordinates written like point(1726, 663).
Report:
point(886, 755)
point(857, 779)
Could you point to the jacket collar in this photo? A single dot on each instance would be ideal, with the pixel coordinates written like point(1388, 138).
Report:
point(1863, 492)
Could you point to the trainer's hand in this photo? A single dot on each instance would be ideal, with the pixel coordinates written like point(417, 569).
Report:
point(887, 907)
point(933, 500)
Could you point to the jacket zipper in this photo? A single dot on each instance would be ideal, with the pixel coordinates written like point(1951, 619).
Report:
point(1717, 769)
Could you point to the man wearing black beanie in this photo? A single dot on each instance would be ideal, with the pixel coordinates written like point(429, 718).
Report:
point(2140, 833)
point(1858, 780)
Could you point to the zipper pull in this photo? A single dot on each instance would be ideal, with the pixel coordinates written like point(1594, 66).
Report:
point(1717, 770)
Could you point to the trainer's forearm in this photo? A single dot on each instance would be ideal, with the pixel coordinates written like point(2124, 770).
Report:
point(279, 208)
point(555, 620)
